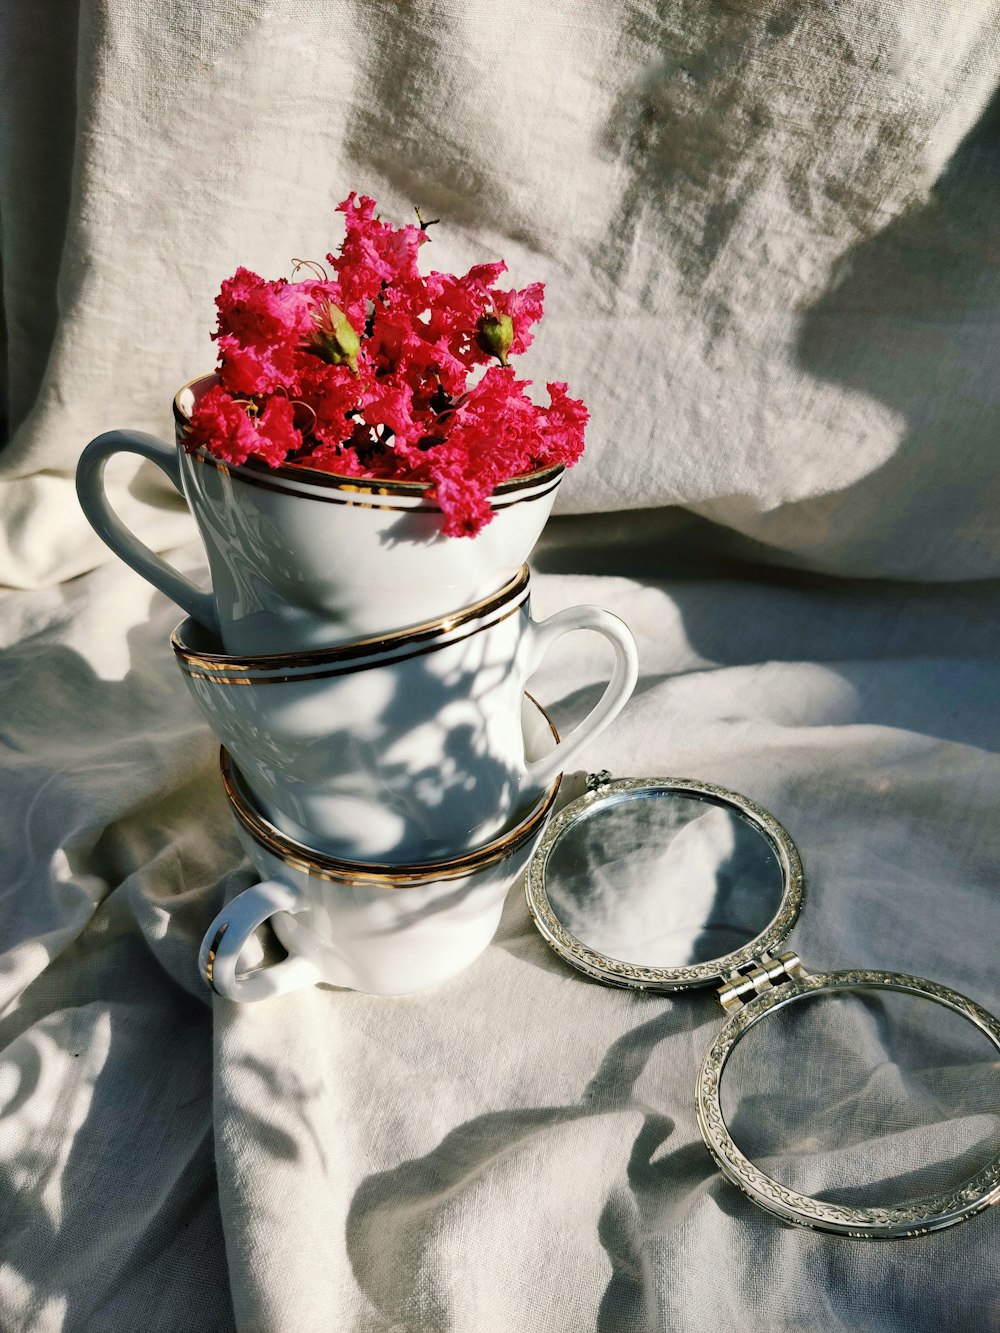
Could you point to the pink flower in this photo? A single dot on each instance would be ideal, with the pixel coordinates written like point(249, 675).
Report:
point(256, 311)
point(464, 503)
point(332, 393)
point(391, 405)
point(563, 425)
point(373, 254)
point(221, 424)
point(250, 370)
point(371, 372)
point(525, 309)
point(276, 432)
point(338, 459)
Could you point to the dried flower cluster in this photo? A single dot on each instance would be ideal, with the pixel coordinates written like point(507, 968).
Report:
point(384, 372)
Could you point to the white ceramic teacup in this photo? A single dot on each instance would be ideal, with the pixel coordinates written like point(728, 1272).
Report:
point(406, 748)
point(302, 559)
point(386, 932)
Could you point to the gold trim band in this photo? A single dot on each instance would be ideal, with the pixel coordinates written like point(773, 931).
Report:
point(367, 664)
point(247, 477)
point(517, 589)
point(336, 480)
point(212, 952)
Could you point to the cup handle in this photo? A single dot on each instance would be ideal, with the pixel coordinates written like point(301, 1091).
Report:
point(541, 772)
point(224, 940)
point(110, 528)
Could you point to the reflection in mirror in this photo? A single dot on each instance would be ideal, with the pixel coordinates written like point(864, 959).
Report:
point(663, 879)
point(866, 1099)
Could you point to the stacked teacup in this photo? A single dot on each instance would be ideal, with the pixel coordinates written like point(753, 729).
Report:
point(388, 773)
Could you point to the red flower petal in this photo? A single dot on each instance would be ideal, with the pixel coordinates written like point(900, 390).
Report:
point(403, 407)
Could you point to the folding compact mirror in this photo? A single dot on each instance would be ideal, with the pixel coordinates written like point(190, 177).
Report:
point(665, 884)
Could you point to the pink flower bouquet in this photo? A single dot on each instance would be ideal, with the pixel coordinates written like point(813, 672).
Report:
point(384, 372)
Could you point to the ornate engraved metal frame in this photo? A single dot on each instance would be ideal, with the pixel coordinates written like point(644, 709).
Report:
point(912, 1219)
point(754, 984)
point(617, 972)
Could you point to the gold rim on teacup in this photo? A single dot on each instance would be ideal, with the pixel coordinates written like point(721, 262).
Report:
point(257, 473)
point(426, 637)
point(299, 857)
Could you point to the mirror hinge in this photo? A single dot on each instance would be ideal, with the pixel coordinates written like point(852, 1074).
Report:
point(761, 974)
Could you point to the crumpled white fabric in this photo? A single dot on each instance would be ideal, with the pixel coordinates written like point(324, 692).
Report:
point(766, 232)
point(516, 1149)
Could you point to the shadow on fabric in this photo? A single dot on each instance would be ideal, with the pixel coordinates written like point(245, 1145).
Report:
point(394, 1214)
point(106, 1129)
point(910, 319)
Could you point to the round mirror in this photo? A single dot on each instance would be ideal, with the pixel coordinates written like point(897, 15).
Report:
point(873, 1117)
point(663, 883)
point(860, 1102)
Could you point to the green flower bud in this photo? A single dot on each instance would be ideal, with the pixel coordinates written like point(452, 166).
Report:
point(495, 335)
point(336, 339)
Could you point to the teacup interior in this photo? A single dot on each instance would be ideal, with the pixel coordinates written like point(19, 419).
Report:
point(194, 636)
point(186, 398)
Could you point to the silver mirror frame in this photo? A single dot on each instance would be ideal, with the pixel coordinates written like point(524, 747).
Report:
point(754, 985)
point(618, 972)
point(916, 1218)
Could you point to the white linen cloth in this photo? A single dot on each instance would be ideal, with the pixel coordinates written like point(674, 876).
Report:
point(768, 233)
point(516, 1149)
